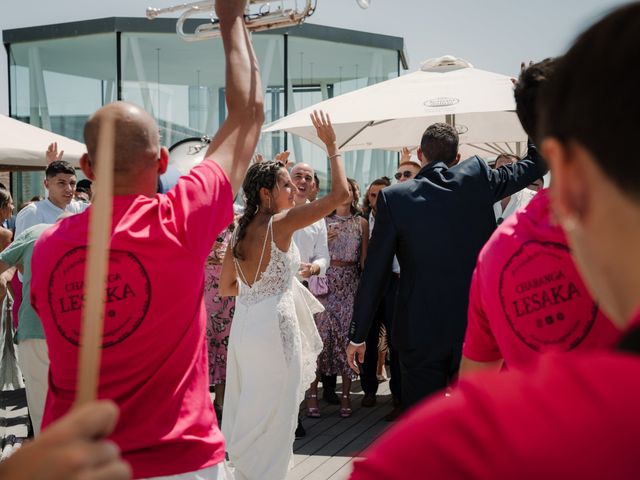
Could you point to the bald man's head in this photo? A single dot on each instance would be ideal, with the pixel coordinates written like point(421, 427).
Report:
point(137, 140)
point(302, 166)
point(302, 175)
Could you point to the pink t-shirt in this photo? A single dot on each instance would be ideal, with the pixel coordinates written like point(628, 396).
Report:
point(527, 297)
point(154, 355)
point(573, 416)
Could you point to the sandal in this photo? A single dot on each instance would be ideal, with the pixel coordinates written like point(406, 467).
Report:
point(345, 412)
point(313, 412)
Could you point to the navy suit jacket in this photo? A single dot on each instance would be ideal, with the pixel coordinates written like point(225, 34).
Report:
point(436, 224)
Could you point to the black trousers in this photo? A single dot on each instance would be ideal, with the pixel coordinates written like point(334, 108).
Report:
point(423, 375)
point(384, 316)
point(395, 382)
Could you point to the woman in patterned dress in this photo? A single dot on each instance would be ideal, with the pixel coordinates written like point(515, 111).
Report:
point(348, 234)
point(219, 314)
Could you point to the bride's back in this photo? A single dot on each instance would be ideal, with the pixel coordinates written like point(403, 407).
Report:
point(254, 249)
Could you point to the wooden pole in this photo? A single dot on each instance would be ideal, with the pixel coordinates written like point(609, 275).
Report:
point(97, 268)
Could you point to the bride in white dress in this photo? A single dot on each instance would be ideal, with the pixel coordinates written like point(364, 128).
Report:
point(274, 343)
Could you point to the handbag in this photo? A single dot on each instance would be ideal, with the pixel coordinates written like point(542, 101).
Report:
point(318, 285)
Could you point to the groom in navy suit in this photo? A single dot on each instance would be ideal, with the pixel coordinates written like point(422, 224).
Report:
point(436, 224)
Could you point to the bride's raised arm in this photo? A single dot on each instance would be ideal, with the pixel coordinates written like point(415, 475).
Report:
point(300, 216)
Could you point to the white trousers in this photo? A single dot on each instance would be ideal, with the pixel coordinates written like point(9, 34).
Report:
point(33, 360)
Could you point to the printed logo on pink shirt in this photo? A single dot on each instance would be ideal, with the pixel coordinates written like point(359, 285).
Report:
point(127, 297)
point(544, 299)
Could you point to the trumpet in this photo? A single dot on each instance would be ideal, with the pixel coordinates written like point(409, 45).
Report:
point(264, 18)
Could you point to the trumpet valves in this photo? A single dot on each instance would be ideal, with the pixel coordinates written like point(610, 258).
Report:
point(152, 12)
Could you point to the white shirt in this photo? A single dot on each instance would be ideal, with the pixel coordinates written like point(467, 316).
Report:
point(516, 202)
point(313, 245)
point(395, 266)
point(44, 211)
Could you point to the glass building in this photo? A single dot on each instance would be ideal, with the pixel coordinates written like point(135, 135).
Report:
point(60, 74)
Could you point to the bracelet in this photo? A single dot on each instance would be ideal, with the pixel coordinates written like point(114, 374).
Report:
point(331, 157)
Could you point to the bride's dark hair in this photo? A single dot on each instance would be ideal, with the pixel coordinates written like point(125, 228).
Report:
point(260, 175)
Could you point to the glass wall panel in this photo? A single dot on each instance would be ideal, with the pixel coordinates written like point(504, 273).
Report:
point(56, 85)
point(270, 52)
point(182, 83)
point(319, 70)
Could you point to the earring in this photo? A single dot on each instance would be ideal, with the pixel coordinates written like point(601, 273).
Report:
point(257, 208)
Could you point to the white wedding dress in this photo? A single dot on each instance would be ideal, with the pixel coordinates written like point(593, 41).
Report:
point(273, 349)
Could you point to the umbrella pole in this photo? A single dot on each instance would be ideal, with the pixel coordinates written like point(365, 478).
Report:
point(450, 120)
point(356, 134)
point(97, 267)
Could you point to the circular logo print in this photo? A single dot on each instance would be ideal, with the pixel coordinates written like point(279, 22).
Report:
point(440, 102)
point(544, 299)
point(127, 296)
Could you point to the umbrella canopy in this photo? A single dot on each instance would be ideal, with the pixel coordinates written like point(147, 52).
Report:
point(393, 114)
point(22, 146)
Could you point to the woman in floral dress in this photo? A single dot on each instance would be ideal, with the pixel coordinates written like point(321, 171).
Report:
point(348, 234)
point(219, 315)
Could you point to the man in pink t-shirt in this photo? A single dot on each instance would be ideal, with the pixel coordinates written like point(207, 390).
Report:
point(154, 355)
point(527, 297)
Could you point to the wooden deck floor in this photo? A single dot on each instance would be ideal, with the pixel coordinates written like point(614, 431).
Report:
point(331, 443)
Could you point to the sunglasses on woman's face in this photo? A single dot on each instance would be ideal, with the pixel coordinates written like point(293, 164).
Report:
point(405, 174)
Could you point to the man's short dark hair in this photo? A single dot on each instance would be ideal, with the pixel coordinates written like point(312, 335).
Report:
point(440, 143)
point(59, 166)
point(592, 97)
point(527, 91)
point(84, 184)
point(317, 180)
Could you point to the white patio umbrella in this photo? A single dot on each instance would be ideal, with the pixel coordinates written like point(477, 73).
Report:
point(22, 146)
point(393, 114)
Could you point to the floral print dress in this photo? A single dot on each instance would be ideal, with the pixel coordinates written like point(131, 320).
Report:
point(219, 310)
point(333, 323)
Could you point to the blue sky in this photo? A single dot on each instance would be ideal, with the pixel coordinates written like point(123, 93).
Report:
point(492, 34)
